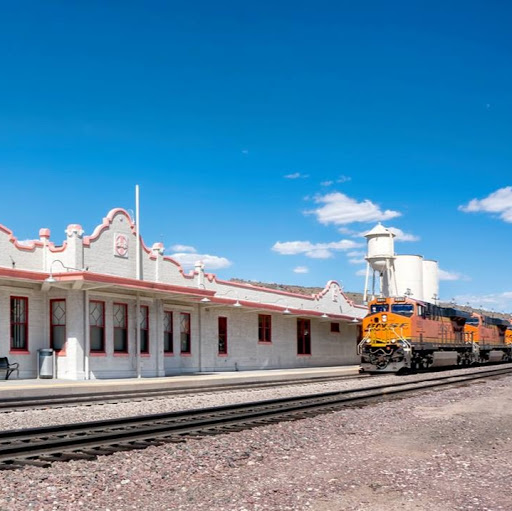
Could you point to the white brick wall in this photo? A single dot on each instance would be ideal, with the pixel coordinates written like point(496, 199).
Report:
point(97, 253)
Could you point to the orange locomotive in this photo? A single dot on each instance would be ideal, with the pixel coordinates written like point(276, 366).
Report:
point(508, 335)
point(402, 333)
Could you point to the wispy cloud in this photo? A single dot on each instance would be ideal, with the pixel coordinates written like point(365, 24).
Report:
point(296, 175)
point(499, 302)
point(301, 269)
point(183, 248)
point(340, 179)
point(356, 257)
point(313, 250)
point(361, 272)
point(401, 235)
point(339, 209)
point(451, 275)
point(356, 253)
point(351, 232)
point(357, 260)
point(498, 202)
point(188, 256)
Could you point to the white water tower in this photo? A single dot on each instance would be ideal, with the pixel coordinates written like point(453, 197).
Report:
point(430, 281)
point(409, 276)
point(380, 259)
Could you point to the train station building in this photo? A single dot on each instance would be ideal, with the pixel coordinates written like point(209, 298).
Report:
point(112, 307)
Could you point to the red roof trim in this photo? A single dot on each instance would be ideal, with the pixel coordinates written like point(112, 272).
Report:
point(23, 274)
point(125, 282)
point(131, 283)
point(278, 308)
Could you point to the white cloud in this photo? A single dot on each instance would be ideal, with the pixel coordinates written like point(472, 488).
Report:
point(499, 202)
point(296, 175)
point(343, 179)
point(451, 275)
point(356, 253)
point(340, 209)
point(357, 261)
point(361, 272)
point(401, 235)
point(320, 253)
point(326, 183)
point(497, 301)
point(351, 232)
point(183, 248)
point(301, 269)
point(313, 250)
point(211, 262)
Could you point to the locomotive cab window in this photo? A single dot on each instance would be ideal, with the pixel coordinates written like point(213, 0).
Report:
point(404, 309)
point(379, 307)
point(472, 321)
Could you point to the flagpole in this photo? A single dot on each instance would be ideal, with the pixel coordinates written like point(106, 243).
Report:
point(138, 276)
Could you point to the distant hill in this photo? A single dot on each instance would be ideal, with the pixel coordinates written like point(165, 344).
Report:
point(357, 298)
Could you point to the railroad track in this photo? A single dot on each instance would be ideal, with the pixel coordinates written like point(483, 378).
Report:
point(94, 398)
point(43, 446)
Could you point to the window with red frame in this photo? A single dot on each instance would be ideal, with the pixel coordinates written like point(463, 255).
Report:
point(264, 328)
point(168, 333)
point(19, 323)
point(335, 328)
point(185, 343)
point(303, 336)
point(223, 335)
point(57, 324)
point(97, 326)
point(120, 317)
point(144, 329)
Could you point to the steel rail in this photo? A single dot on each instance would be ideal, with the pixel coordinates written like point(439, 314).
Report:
point(41, 446)
point(12, 404)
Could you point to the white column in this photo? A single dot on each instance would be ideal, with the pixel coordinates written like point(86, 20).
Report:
point(365, 298)
point(137, 337)
point(87, 337)
point(159, 341)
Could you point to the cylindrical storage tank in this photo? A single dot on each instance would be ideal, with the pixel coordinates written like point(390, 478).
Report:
point(409, 276)
point(45, 363)
point(430, 280)
point(380, 247)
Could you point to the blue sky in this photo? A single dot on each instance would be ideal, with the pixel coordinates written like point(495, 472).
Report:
point(251, 125)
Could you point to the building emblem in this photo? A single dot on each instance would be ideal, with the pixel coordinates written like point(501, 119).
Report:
point(335, 291)
point(121, 245)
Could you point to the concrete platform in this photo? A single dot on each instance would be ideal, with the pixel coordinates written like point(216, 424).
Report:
point(54, 387)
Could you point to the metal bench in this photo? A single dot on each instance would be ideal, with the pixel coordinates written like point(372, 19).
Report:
point(8, 368)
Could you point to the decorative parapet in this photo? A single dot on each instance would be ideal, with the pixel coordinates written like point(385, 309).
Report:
point(44, 234)
point(158, 248)
point(74, 230)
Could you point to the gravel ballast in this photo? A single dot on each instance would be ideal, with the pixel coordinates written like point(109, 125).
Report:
point(442, 450)
point(92, 412)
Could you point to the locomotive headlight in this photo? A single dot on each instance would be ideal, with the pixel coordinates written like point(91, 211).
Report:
point(384, 318)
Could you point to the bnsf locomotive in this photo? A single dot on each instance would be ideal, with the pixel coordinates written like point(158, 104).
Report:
point(403, 333)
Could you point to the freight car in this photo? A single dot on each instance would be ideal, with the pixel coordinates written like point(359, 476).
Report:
point(401, 333)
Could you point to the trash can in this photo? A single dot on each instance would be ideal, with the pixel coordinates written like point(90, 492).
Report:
point(45, 363)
